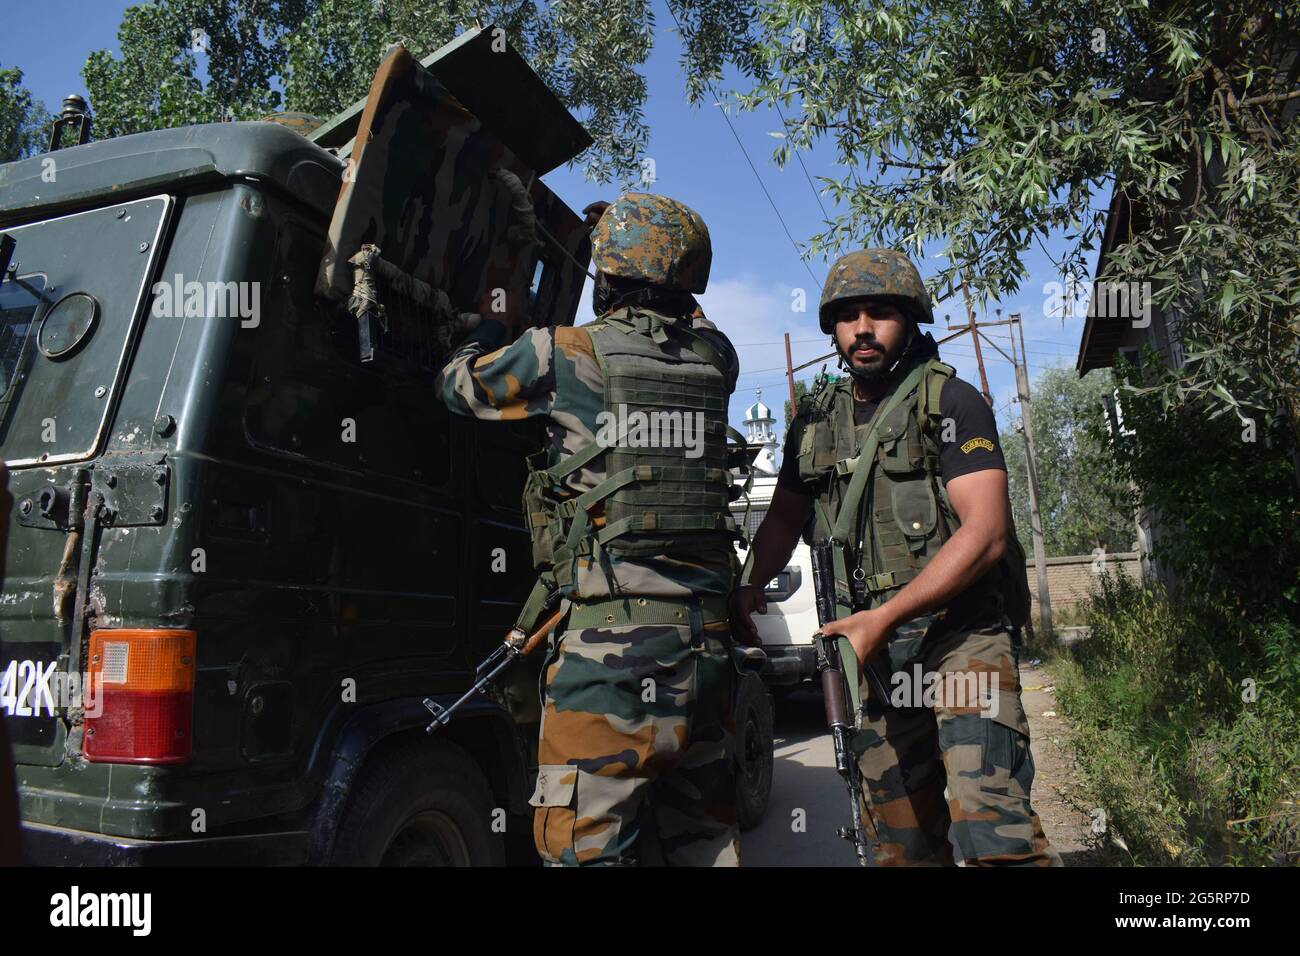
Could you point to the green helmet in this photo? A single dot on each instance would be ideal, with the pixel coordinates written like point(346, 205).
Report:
point(655, 239)
point(880, 273)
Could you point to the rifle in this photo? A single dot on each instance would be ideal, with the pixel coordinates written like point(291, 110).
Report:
point(837, 694)
point(516, 645)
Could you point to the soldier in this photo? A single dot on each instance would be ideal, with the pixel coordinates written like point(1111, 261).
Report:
point(629, 515)
point(899, 466)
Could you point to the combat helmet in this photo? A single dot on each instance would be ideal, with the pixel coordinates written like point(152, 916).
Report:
point(881, 273)
point(654, 239)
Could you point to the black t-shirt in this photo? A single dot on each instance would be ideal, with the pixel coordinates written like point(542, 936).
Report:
point(973, 445)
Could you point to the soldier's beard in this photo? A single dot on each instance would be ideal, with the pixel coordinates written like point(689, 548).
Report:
point(866, 375)
point(870, 374)
point(879, 368)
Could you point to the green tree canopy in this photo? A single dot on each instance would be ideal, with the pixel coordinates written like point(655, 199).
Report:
point(1223, 494)
point(24, 124)
point(200, 61)
point(1084, 505)
point(985, 125)
point(802, 388)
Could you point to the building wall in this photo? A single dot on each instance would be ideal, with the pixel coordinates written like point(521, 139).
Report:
point(1072, 578)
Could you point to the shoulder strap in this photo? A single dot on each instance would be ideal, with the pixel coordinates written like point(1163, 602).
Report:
point(931, 422)
point(937, 375)
point(661, 328)
point(866, 458)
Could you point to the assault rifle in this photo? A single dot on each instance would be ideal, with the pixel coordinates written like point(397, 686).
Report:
point(516, 645)
point(834, 653)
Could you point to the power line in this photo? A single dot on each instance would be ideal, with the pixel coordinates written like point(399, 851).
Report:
point(741, 345)
point(816, 194)
point(752, 167)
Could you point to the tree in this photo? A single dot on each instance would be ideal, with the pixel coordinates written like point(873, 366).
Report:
point(801, 389)
point(1084, 506)
point(154, 84)
point(1224, 497)
point(24, 124)
point(985, 124)
point(318, 56)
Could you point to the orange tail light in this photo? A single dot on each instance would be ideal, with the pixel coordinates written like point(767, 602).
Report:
point(141, 685)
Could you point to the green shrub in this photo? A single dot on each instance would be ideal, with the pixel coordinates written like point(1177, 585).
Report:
point(1187, 723)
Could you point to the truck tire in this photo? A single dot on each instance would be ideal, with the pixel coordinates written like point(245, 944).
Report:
point(754, 745)
point(423, 804)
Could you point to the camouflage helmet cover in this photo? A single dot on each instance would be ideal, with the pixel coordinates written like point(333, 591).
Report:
point(655, 239)
point(881, 273)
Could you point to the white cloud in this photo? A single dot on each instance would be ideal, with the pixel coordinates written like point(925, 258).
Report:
point(755, 314)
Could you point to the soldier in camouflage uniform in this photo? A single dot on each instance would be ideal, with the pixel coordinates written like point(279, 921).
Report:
point(898, 466)
point(639, 685)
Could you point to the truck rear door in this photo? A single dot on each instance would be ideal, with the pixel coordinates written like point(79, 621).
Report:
point(71, 305)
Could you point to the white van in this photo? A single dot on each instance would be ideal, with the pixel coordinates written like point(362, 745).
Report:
point(788, 627)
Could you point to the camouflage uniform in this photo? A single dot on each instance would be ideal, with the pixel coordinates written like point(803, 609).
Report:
point(957, 767)
point(952, 771)
point(637, 722)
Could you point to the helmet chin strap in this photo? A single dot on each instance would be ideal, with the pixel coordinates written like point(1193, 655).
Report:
point(911, 340)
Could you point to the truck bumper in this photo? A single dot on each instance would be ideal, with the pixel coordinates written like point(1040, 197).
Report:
point(45, 845)
point(790, 664)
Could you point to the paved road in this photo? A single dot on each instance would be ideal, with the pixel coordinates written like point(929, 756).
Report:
point(804, 779)
point(809, 800)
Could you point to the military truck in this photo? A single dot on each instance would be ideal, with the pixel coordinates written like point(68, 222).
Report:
point(246, 542)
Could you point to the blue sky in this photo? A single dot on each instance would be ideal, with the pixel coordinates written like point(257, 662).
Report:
point(755, 268)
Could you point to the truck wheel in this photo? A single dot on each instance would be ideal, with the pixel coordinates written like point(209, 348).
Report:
point(753, 750)
point(425, 804)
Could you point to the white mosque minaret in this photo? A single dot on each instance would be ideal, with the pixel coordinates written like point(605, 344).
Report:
point(758, 431)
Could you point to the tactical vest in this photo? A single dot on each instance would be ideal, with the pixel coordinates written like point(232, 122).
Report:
point(665, 388)
point(902, 493)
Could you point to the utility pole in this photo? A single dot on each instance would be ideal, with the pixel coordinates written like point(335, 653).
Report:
point(1031, 466)
point(974, 337)
point(789, 374)
point(1020, 363)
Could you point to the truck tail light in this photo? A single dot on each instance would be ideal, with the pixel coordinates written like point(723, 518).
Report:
point(141, 685)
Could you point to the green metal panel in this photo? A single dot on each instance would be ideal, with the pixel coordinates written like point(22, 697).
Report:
point(56, 408)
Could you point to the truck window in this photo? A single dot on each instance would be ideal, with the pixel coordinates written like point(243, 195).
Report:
point(67, 326)
point(19, 299)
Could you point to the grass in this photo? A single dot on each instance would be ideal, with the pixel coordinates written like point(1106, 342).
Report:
point(1186, 723)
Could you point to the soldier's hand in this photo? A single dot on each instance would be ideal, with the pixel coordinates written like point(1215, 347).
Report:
point(745, 600)
point(593, 211)
point(866, 631)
